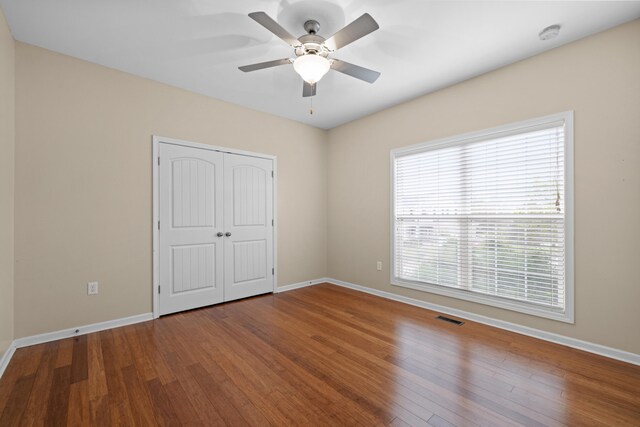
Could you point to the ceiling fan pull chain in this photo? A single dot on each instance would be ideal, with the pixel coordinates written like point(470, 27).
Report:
point(311, 109)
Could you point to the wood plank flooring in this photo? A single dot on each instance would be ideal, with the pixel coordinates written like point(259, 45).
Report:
point(318, 356)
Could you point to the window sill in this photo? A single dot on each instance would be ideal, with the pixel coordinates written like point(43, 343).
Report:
point(494, 301)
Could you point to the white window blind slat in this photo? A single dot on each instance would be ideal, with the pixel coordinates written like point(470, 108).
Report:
point(485, 215)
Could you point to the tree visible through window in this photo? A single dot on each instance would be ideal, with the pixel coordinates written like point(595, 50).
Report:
point(485, 215)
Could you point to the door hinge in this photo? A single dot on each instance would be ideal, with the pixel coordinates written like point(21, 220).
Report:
point(158, 289)
point(272, 223)
point(158, 225)
point(158, 161)
point(273, 271)
point(271, 174)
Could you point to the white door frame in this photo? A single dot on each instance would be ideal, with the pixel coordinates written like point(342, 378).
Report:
point(156, 141)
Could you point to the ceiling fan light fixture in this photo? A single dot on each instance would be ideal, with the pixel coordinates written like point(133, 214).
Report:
point(311, 67)
point(311, 50)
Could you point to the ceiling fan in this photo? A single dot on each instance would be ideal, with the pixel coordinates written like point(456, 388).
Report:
point(312, 51)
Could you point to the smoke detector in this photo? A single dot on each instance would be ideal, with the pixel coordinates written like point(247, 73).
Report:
point(550, 32)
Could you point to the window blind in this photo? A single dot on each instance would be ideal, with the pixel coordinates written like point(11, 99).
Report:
point(485, 215)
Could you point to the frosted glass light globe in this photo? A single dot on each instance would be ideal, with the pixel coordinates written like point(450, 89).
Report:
point(311, 67)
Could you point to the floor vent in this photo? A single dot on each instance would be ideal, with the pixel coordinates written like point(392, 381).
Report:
point(450, 320)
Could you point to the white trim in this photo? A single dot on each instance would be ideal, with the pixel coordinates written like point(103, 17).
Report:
point(6, 357)
point(568, 314)
point(299, 285)
point(68, 333)
point(494, 132)
point(155, 269)
point(155, 142)
point(491, 300)
point(599, 349)
point(602, 350)
point(275, 222)
point(81, 330)
point(569, 191)
point(209, 147)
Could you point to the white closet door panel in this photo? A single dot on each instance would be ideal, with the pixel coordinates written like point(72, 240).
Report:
point(250, 260)
point(191, 210)
point(193, 193)
point(248, 186)
point(193, 267)
point(249, 196)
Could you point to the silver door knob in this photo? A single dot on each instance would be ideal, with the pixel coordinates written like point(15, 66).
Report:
point(219, 234)
point(227, 234)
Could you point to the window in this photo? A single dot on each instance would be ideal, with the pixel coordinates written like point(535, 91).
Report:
point(487, 217)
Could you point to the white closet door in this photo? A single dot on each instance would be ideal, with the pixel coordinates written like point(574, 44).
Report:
point(248, 216)
point(191, 212)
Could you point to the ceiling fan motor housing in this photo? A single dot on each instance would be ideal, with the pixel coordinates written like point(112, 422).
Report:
point(312, 44)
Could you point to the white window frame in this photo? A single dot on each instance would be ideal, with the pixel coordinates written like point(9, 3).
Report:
point(567, 315)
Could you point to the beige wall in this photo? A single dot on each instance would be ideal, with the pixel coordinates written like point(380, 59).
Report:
point(83, 185)
point(7, 109)
point(83, 181)
point(598, 78)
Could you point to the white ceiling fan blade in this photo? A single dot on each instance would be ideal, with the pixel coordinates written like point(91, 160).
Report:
point(356, 71)
point(271, 25)
point(261, 65)
point(309, 89)
point(352, 32)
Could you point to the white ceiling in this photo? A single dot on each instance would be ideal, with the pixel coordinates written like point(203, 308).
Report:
point(421, 46)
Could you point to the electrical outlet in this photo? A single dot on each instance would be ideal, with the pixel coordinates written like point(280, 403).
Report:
point(379, 265)
point(92, 288)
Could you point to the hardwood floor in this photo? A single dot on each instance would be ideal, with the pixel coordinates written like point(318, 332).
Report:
point(322, 355)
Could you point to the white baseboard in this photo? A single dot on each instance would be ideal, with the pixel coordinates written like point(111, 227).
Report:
point(101, 326)
point(6, 357)
point(67, 333)
point(602, 350)
point(81, 330)
point(299, 285)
